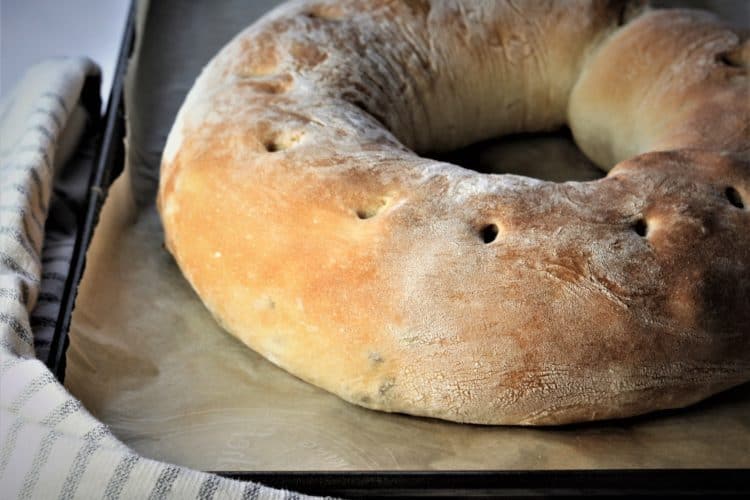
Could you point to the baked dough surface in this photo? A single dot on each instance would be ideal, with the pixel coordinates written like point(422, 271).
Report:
point(294, 200)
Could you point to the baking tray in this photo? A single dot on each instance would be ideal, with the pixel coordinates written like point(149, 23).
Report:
point(108, 164)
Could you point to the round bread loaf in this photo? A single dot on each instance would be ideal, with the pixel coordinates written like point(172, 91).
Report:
point(296, 204)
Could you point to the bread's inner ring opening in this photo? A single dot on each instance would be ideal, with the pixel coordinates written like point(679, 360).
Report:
point(550, 156)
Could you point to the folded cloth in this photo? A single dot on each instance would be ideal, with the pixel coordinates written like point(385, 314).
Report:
point(50, 446)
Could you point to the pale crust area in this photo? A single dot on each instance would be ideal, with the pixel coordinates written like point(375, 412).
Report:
point(294, 204)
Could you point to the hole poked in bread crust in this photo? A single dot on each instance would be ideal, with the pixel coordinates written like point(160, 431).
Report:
point(489, 233)
point(640, 227)
point(736, 57)
point(325, 12)
point(272, 146)
point(370, 210)
point(282, 141)
point(734, 197)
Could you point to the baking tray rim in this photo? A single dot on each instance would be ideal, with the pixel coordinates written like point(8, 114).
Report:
point(108, 163)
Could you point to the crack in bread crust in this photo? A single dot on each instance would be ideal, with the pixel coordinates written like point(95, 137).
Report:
point(296, 205)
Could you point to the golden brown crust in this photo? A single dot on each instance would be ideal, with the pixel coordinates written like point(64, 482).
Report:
point(295, 208)
point(668, 80)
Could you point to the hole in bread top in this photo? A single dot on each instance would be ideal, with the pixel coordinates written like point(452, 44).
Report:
point(732, 58)
point(734, 197)
point(641, 228)
point(489, 233)
point(272, 146)
point(366, 213)
point(325, 12)
point(552, 156)
point(372, 209)
point(282, 141)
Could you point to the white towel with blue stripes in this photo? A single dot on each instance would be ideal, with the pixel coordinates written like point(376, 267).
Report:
point(50, 446)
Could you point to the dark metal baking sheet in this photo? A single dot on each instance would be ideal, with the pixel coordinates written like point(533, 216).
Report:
point(392, 483)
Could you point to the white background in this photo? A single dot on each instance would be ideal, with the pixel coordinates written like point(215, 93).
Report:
point(32, 30)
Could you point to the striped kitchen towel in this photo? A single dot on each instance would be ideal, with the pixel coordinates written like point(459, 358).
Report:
point(50, 446)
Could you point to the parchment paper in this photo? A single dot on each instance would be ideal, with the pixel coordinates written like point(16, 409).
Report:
point(147, 359)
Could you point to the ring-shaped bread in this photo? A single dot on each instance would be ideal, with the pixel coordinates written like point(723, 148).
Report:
point(294, 203)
